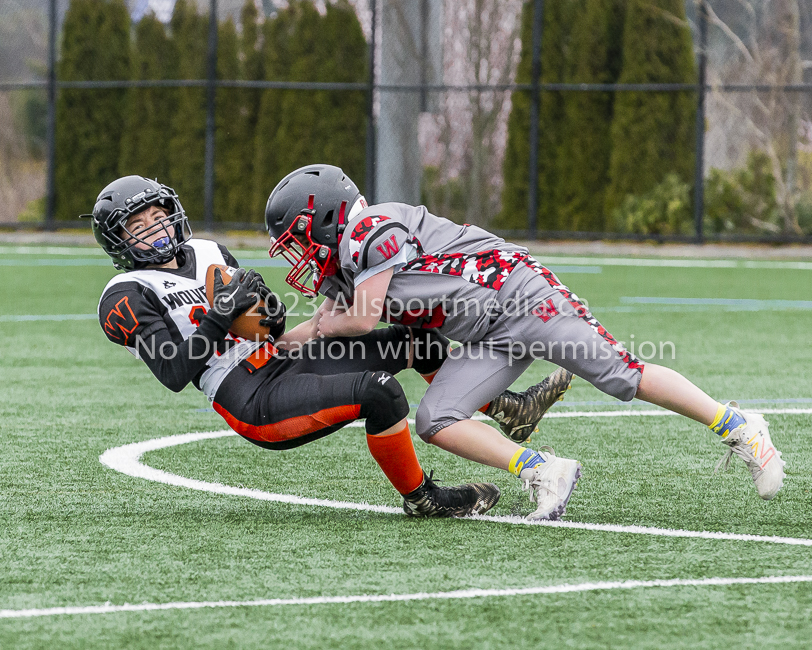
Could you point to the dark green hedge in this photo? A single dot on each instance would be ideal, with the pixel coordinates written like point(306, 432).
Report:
point(597, 148)
point(160, 132)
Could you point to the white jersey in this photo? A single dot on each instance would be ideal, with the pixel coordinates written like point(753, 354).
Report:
point(136, 304)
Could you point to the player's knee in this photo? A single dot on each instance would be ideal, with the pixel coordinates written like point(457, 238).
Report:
point(422, 421)
point(429, 420)
point(430, 350)
point(383, 402)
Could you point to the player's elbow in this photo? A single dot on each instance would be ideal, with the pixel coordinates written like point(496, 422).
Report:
point(365, 324)
point(174, 383)
point(176, 386)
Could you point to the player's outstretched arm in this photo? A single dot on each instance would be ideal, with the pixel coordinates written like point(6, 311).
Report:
point(306, 331)
point(366, 310)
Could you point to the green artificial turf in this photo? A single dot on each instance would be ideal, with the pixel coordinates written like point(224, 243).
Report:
point(75, 533)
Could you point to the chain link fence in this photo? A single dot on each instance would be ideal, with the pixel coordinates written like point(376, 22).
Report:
point(430, 116)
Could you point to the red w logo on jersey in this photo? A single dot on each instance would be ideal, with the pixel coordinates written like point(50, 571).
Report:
point(388, 248)
point(546, 310)
point(121, 321)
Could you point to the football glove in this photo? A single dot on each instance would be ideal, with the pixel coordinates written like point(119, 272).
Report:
point(235, 298)
point(272, 309)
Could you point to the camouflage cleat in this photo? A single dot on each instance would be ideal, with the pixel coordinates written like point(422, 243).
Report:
point(518, 414)
point(431, 500)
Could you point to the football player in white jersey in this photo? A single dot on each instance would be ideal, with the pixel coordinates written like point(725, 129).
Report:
point(401, 264)
point(158, 310)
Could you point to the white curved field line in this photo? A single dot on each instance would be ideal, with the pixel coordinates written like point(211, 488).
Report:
point(127, 460)
point(107, 608)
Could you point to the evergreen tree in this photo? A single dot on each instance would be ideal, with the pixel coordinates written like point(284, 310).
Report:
point(278, 51)
point(342, 121)
point(652, 132)
point(517, 151)
point(95, 46)
point(228, 147)
point(245, 125)
point(299, 127)
point(585, 146)
point(557, 21)
point(555, 52)
point(188, 143)
point(298, 140)
point(148, 117)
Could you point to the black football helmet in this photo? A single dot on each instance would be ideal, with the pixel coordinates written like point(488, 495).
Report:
point(125, 197)
point(305, 216)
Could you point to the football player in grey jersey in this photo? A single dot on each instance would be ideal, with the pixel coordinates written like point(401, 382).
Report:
point(401, 264)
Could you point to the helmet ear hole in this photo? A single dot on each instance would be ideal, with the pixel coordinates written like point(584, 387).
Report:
point(326, 217)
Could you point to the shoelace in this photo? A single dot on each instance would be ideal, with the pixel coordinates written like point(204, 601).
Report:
point(724, 460)
point(746, 456)
point(528, 484)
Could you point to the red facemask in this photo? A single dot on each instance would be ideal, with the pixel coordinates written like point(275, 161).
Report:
point(311, 262)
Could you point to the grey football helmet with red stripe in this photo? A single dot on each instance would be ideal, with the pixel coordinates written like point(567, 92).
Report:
point(305, 216)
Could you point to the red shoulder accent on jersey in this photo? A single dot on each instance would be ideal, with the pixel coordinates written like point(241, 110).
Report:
point(360, 232)
point(121, 321)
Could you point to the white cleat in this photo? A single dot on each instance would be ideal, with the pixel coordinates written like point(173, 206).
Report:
point(551, 485)
point(751, 442)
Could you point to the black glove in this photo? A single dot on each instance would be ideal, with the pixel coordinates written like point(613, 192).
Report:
point(232, 299)
point(273, 311)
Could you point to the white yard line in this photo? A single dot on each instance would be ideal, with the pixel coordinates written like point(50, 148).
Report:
point(127, 460)
point(748, 304)
point(52, 250)
point(108, 608)
point(24, 318)
point(551, 260)
point(547, 260)
point(651, 412)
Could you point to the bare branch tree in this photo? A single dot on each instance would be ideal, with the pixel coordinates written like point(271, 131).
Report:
point(768, 54)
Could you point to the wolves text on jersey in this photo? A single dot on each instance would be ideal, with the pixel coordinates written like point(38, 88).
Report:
point(488, 269)
point(186, 297)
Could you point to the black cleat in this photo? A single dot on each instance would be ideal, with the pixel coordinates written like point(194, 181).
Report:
point(518, 414)
point(431, 500)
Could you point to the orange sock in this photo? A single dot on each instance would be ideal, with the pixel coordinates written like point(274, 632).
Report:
point(430, 378)
point(396, 456)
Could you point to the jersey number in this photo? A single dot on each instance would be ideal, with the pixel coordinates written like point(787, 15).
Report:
point(197, 314)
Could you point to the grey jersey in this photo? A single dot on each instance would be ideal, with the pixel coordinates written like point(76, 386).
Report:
point(446, 276)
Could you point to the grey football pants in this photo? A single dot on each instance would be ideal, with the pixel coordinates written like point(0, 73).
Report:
point(541, 319)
